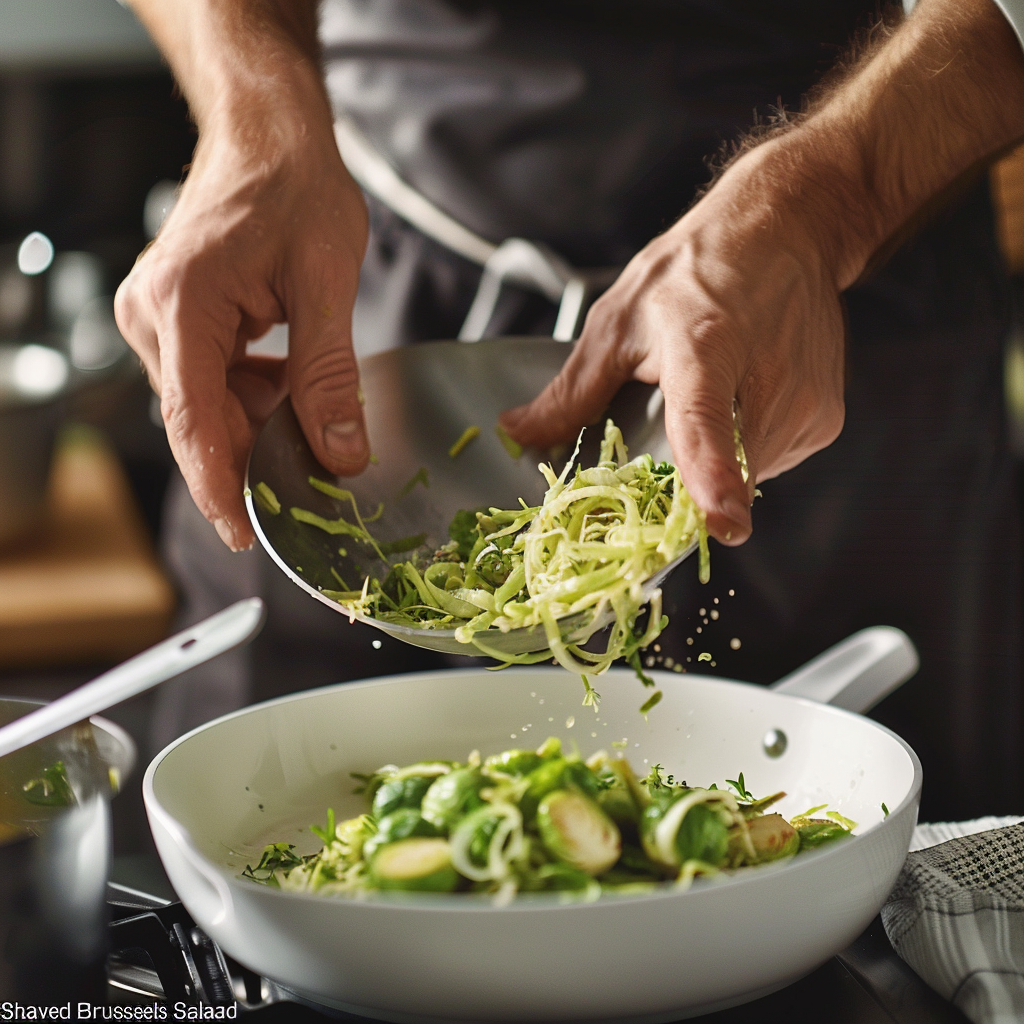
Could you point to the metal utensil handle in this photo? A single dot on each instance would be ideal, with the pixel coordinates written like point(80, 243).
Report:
point(219, 633)
point(856, 673)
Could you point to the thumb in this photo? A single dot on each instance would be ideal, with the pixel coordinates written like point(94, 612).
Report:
point(324, 382)
point(584, 387)
point(701, 433)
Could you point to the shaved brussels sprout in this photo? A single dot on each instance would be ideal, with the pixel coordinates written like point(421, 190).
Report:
point(541, 821)
point(415, 865)
point(513, 762)
point(686, 828)
point(451, 796)
point(773, 837)
point(404, 823)
point(400, 792)
point(815, 832)
point(575, 830)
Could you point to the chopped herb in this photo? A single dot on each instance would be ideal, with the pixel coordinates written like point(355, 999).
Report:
point(419, 477)
point(513, 447)
point(267, 498)
point(885, 810)
point(651, 702)
point(276, 857)
point(741, 789)
point(51, 789)
point(703, 656)
point(469, 435)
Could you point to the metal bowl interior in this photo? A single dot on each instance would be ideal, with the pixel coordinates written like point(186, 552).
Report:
point(217, 796)
point(419, 400)
point(99, 760)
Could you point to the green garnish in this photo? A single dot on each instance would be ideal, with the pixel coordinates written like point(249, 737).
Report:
point(267, 498)
point(704, 656)
point(652, 701)
point(51, 789)
point(514, 448)
point(469, 435)
point(419, 477)
point(741, 789)
point(885, 810)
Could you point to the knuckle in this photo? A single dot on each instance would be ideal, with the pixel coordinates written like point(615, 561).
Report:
point(330, 372)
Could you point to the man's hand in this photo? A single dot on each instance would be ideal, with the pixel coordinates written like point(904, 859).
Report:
point(740, 301)
point(269, 227)
point(733, 301)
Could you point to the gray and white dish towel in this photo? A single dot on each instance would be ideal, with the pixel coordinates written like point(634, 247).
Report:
point(956, 915)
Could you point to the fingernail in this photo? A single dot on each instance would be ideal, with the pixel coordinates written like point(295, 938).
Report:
point(225, 532)
point(345, 441)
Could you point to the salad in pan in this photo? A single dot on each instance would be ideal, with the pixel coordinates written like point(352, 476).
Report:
point(527, 821)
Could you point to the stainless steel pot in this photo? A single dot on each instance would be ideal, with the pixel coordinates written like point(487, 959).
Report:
point(34, 381)
point(54, 858)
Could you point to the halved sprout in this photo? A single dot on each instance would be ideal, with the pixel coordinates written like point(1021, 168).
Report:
point(414, 865)
point(575, 830)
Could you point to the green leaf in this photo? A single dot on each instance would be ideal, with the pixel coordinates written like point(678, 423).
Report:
point(654, 699)
point(419, 477)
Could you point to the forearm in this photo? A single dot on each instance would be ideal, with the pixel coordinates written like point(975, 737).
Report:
point(940, 96)
point(240, 61)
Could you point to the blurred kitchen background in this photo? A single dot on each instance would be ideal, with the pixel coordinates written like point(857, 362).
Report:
point(93, 142)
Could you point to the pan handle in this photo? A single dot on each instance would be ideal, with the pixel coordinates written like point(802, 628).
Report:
point(857, 672)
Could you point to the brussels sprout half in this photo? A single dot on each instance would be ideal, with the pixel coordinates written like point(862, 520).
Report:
point(414, 865)
point(575, 830)
point(400, 792)
point(401, 824)
point(772, 837)
point(452, 796)
point(690, 827)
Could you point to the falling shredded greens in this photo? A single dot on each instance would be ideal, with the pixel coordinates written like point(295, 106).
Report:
point(469, 435)
point(267, 498)
point(419, 477)
point(585, 552)
point(540, 821)
point(513, 447)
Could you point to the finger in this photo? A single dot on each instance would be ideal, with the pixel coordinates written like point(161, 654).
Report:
point(135, 322)
point(579, 394)
point(260, 384)
point(699, 424)
point(324, 379)
point(207, 428)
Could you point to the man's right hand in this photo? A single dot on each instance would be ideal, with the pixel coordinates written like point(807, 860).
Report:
point(269, 227)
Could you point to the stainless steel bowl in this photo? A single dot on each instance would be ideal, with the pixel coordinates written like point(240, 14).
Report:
point(34, 380)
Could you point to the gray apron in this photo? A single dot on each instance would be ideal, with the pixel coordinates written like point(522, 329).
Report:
point(584, 127)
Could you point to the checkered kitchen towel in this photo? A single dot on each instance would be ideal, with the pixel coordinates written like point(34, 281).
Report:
point(957, 915)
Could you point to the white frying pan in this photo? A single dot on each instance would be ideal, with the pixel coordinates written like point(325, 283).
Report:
point(217, 795)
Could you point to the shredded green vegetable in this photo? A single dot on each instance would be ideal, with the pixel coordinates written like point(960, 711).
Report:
point(539, 821)
point(469, 435)
point(513, 447)
point(586, 552)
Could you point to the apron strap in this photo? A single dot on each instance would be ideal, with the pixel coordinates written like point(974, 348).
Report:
point(516, 260)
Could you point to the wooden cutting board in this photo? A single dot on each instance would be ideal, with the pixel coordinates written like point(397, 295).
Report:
point(88, 587)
